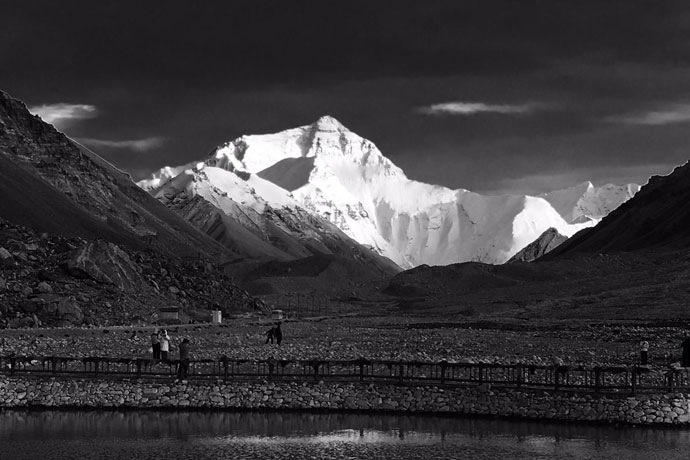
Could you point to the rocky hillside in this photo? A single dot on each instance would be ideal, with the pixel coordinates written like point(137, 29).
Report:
point(657, 218)
point(51, 184)
point(49, 280)
point(547, 242)
point(81, 244)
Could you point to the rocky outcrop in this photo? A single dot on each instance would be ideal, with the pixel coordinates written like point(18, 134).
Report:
point(49, 280)
point(660, 409)
point(546, 242)
point(106, 263)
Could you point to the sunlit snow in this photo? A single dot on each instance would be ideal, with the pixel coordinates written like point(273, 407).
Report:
point(348, 181)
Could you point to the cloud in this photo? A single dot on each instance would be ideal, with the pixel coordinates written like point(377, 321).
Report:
point(139, 145)
point(63, 114)
point(678, 113)
point(472, 108)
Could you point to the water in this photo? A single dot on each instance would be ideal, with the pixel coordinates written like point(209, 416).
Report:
point(47, 435)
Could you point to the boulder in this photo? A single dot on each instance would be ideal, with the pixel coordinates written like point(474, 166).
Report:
point(28, 306)
point(5, 257)
point(68, 310)
point(45, 275)
point(44, 288)
point(106, 263)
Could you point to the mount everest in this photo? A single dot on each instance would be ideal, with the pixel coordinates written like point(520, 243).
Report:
point(325, 170)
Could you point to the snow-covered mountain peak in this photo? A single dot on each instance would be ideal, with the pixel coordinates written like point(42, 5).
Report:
point(328, 123)
point(334, 173)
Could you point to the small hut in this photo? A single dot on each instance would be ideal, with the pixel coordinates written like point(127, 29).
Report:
point(170, 314)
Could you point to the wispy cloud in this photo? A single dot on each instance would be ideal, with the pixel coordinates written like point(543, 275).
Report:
point(472, 108)
point(678, 113)
point(139, 145)
point(63, 114)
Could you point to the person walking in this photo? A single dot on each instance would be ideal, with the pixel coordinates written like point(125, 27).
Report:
point(155, 345)
point(183, 368)
point(165, 345)
point(644, 352)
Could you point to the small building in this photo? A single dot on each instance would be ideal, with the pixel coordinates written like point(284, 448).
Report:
point(277, 314)
point(169, 314)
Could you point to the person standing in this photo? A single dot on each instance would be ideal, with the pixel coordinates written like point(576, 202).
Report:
point(278, 334)
point(644, 352)
point(686, 352)
point(165, 345)
point(183, 368)
point(155, 345)
point(270, 334)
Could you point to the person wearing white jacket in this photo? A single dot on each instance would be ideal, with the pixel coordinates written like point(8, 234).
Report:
point(165, 345)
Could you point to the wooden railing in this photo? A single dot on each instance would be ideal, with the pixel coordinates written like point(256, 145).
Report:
point(630, 379)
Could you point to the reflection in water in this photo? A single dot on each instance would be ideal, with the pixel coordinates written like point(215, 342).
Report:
point(248, 435)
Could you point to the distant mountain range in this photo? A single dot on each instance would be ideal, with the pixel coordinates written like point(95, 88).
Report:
point(326, 171)
point(658, 218)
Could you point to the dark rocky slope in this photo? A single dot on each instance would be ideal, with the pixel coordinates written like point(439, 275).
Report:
point(547, 242)
point(656, 218)
point(93, 199)
point(81, 244)
point(51, 280)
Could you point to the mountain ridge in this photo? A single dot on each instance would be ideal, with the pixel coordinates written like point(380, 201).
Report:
point(656, 219)
point(344, 178)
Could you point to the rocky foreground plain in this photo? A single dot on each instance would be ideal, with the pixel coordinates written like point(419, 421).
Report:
point(371, 337)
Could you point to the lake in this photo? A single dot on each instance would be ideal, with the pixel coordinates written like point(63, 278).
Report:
point(47, 435)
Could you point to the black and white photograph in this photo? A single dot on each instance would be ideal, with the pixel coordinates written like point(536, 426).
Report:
point(316, 229)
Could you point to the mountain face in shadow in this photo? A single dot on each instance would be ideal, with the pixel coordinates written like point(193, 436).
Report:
point(657, 218)
point(547, 242)
point(51, 184)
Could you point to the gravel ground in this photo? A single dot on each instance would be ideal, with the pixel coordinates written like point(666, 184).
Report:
point(368, 337)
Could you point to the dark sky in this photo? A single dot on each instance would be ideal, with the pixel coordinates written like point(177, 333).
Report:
point(492, 96)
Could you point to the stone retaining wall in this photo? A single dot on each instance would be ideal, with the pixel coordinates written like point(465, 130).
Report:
point(88, 393)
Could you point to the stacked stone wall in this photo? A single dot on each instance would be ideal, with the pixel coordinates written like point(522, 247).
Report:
point(669, 409)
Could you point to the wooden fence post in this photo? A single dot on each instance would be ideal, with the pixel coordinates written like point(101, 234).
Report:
point(598, 381)
point(634, 381)
point(271, 366)
point(361, 369)
point(316, 365)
